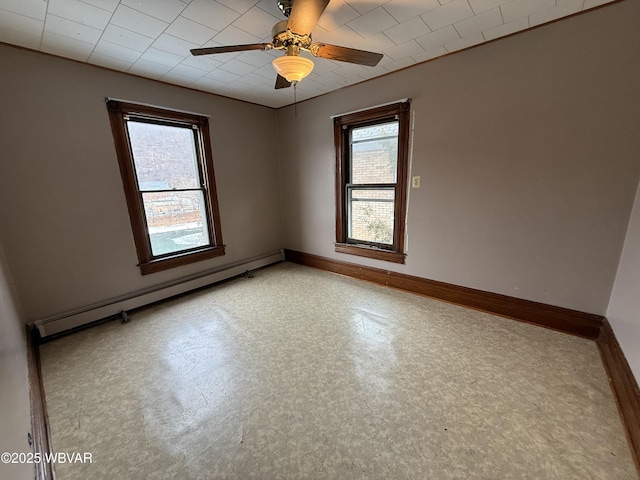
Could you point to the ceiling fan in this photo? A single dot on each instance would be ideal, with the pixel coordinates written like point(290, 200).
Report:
point(293, 36)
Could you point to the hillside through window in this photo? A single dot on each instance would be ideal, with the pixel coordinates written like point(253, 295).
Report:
point(167, 172)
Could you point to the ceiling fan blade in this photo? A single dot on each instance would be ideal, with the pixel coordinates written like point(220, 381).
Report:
point(305, 14)
point(282, 82)
point(346, 54)
point(231, 48)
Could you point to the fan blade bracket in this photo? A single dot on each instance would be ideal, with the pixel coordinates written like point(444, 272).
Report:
point(314, 48)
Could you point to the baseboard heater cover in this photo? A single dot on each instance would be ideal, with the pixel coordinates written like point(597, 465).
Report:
point(107, 308)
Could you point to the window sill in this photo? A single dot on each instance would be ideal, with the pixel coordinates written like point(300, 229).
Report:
point(166, 263)
point(370, 252)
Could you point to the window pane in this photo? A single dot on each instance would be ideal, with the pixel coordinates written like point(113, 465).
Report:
point(164, 156)
point(176, 221)
point(371, 215)
point(374, 153)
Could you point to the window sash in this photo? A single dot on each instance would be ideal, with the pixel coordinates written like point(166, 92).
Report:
point(205, 215)
point(343, 125)
point(352, 177)
point(197, 226)
point(374, 222)
point(122, 112)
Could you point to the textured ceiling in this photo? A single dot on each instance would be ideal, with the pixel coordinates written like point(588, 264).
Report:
point(152, 38)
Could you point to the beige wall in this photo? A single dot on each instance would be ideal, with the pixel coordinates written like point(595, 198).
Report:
point(64, 221)
point(529, 154)
point(624, 308)
point(14, 388)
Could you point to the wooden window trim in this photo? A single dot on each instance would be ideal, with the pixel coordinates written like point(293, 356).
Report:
point(149, 263)
point(370, 252)
point(400, 111)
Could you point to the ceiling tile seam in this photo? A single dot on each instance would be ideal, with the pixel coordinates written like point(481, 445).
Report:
point(46, 15)
point(263, 40)
point(391, 39)
point(412, 38)
point(357, 10)
point(162, 20)
point(164, 31)
point(201, 24)
point(544, 10)
point(133, 64)
point(244, 63)
point(389, 13)
point(102, 34)
point(501, 13)
point(64, 36)
point(482, 30)
point(194, 68)
point(209, 27)
point(346, 25)
point(233, 24)
point(90, 4)
point(417, 15)
point(49, 15)
point(26, 16)
point(459, 34)
point(93, 52)
point(503, 22)
point(172, 36)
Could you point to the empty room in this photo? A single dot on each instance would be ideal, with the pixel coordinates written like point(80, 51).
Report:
point(319, 239)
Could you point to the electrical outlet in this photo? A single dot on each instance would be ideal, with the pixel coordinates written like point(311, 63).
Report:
point(415, 181)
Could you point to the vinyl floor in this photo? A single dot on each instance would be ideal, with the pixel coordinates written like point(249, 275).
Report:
point(298, 373)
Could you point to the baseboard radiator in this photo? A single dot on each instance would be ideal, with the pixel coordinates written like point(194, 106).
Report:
point(110, 307)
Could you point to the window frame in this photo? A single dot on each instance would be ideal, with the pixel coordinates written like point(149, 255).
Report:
point(343, 124)
point(119, 113)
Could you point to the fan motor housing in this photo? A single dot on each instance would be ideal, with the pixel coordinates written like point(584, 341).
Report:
point(282, 37)
point(279, 29)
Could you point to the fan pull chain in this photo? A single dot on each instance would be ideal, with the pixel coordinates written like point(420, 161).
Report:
point(295, 99)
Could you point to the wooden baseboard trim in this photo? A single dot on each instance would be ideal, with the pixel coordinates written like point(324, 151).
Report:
point(565, 320)
point(624, 386)
point(40, 432)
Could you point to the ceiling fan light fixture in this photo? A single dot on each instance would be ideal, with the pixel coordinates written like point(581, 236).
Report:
point(294, 36)
point(293, 68)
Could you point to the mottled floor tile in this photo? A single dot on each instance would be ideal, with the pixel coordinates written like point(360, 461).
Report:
point(302, 374)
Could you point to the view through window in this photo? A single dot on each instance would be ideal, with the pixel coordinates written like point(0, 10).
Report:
point(167, 171)
point(371, 192)
point(168, 177)
point(371, 176)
